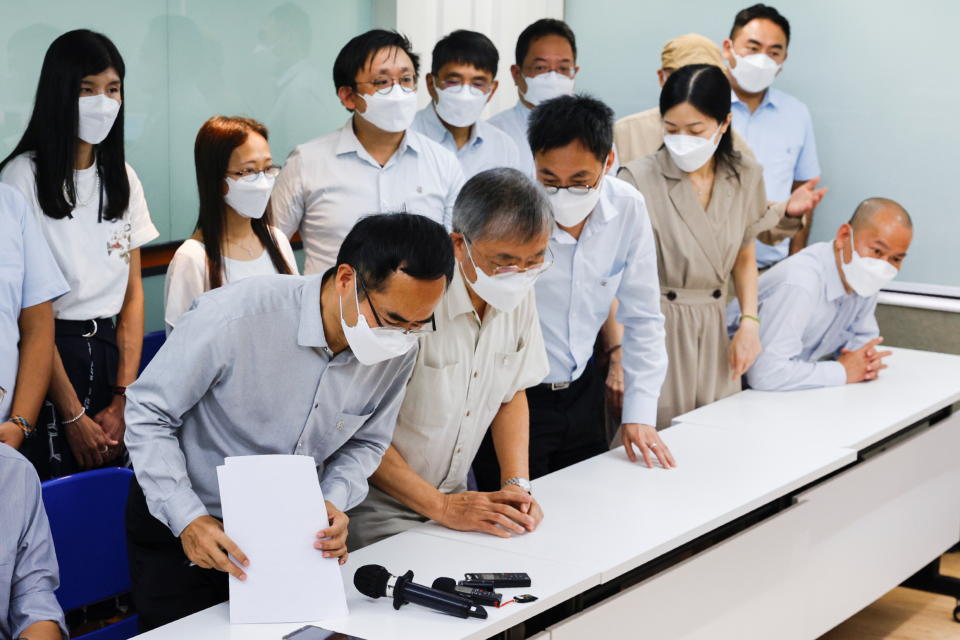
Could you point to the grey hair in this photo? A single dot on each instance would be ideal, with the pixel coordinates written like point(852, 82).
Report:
point(502, 204)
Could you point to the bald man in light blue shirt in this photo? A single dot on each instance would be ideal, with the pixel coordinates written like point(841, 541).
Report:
point(817, 323)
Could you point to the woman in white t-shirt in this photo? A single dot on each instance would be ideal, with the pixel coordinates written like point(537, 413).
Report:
point(70, 167)
point(234, 237)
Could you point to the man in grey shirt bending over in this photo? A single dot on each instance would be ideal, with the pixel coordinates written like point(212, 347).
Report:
point(274, 365)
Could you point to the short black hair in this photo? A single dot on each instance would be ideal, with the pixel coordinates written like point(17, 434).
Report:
point(756, 12)
point(559, 121)
point(381, 244)
point(466, 47)
point(539, 29)
point(355, 54)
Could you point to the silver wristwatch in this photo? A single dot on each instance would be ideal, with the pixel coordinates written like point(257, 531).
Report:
point(523, 483)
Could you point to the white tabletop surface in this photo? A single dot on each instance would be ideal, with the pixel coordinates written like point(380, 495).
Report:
point(429, 557)
point(915, 384)
point(613, 515)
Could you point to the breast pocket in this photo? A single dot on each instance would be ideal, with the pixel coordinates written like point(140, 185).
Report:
point(506, 365)
point(345, 426)
point(445, 381)
point(605, 288)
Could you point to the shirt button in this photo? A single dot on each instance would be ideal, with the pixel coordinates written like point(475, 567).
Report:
point(340, 425)
point(475, 374)
point(468, 414)
point(316, 406)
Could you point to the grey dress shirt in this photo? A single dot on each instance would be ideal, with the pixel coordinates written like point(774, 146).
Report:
point(28, 563)
point(247, 371)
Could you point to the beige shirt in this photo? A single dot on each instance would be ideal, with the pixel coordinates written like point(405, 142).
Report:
point(464, 373)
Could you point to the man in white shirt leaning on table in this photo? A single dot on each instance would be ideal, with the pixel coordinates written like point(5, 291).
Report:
point(471, 375)
point(817, 307)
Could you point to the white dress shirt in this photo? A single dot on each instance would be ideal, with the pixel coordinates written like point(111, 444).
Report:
point(487, 148)
point(331, 182)
point(93, 254)
point(806, 315)
point(615, 256)
point(187, 275)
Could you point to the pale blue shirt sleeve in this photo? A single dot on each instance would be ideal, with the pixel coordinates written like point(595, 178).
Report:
point(644, 339)
point(784, 316)
point(42, 279)
point(287, 200)
point(808, 166)
point(192, 360)
point(34, 574)
point(456, 183)
point(345, 473)
point(864, 326)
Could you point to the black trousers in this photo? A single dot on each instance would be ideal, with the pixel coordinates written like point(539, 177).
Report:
point(566, 426)
point(165, 586)
point(91, 366)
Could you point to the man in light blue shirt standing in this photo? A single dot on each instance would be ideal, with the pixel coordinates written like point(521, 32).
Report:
point(311, 366)
point(29, 280)
point(817, 323)
point(461, 82)
point(603, 248)
point(776, 125)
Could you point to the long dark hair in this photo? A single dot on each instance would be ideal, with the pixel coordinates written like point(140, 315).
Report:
point(706, 88)
point(52, 131)
point(216, 140)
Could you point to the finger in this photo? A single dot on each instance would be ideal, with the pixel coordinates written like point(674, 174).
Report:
point(222, 562)
point(510, 496)
point(662, 455)
point(628, 445)
point(231, 547)
point(486, 527)
point(645, 451)
point(515, 515)
point(331, 549)
point(506, 523)
point(883, 354)
point(343, 558)
point(812, 183)
point(338, 524)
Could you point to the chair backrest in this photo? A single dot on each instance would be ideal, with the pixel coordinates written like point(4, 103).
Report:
point(87, 519)
point(151, 344)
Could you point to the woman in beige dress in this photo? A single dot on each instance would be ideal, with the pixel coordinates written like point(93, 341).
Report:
point(707, 204)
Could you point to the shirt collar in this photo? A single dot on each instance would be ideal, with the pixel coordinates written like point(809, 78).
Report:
point(457, 301)
point(833, 285)
point(310, 333)
point(349, 143)
point(771, 98)
point(436, 130)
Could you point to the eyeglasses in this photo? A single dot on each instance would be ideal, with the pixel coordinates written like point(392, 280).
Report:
point(575, 189)
point(563, 70)
point(383, 86)
point(541, 266)
point(251, 175)
point(392, 327)
point(456, 85)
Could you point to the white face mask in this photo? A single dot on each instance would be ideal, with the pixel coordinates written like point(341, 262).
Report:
point(866, 276)
point(505, 291)
point(691, 152)
point(460, 106)
point(569, 209)
point(371, 346)
point(249, 199)
point(393, 111)
point(547, 85)
point(754, 72)
point(97, 115)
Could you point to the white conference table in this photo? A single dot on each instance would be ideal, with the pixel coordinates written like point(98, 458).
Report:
point(606, 516)
point(916, 384)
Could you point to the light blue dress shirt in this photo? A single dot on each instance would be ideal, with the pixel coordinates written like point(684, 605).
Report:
point(28, 276)
point(29, 574)
point(780, 133)
point(487, 148)
point(247, 371)
point(514, 122)
point(615, 256)
point(806, 315)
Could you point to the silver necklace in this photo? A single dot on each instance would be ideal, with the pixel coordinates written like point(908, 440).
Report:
point(82, 202)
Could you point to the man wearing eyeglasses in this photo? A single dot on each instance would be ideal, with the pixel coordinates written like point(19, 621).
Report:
point(461, 83)
point(313, 366)
point(471, 376)
point(374, 163)
point(603, 249)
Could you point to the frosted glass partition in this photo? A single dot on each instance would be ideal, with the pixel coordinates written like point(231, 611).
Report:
point(187, 60)
point(879, 78)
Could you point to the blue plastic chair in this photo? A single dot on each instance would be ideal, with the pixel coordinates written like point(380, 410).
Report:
point(151, 344)
point(87, 520)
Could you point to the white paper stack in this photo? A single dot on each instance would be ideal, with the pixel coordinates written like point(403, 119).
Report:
point(273, 508)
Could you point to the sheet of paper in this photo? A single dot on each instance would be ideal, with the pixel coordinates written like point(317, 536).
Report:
point(273, 508)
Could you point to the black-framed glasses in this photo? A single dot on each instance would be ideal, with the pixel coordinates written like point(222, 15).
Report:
point(456, 85)
point(392, 327)
point(575, 189)
point(383, 86)
point(252, 175)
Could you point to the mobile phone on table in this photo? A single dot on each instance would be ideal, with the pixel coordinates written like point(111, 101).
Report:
point(310, 632)
point(497, 579)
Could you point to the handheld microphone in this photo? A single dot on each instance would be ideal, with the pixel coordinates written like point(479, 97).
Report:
point(374, 581)
point(477, 596)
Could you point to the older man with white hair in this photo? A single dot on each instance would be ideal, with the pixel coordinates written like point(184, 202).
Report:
point(471, 375)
